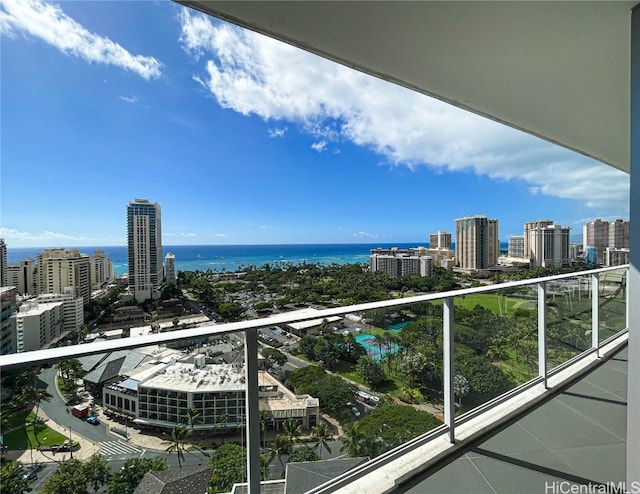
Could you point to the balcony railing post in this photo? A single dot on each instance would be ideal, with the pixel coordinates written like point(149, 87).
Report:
point(595, 313)
point(449, 398)
point(542, 332)
point(252, 410)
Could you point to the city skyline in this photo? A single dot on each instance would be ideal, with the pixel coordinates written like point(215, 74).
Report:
point(244, 140)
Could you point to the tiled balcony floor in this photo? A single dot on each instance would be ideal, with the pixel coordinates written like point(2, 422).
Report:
point(575, 438)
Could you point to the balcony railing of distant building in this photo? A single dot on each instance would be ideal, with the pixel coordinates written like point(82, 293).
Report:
point(565, 304)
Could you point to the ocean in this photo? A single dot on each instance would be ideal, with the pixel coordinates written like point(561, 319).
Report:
point(229, 258)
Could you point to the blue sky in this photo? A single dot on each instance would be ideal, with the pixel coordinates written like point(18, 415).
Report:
point(245, 140)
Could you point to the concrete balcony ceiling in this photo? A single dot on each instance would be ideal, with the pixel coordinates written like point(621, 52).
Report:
point(557, 70)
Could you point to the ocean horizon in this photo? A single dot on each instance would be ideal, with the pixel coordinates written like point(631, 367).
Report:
point(229, 258)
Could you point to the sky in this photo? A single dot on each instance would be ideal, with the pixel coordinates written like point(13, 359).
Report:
point(242, 139)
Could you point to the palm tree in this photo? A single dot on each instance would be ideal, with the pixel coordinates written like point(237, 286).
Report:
point(320, 436)
point(178, 434)
point(498, 350)
point(222, 419)
point(97, 471)
point(353, 441)
point(38, 395)
point(292, 429)
point(264, 416)
point(280, 446)
point(192, 415)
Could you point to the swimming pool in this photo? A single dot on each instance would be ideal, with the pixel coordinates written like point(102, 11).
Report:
point(373, 351)
point(398, 326)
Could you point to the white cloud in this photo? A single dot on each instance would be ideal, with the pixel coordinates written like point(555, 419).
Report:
point(266, 227)
point(11, 234)
point(188, 234)
point(362, 234)
point(319, 146)
point(252, 74)
point(222, 235)
point(129, 99)
point(277, 132)
point(48, 22)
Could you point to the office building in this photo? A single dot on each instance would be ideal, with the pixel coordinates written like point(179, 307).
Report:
point(37, 326)
point(144, 242)
point(619, 234)
point(548, 244)
point(22, 275)
point(477, 244)
point(7, 330)
point(170, 269)
point(516, 247)
point(440, 240)
point(61, 268)
point(3, 263)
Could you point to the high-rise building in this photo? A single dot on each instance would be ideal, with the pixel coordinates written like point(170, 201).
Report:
point(516, 246)
point(72, 307)
point(22, 275)
point(401, 262)
point(61, 268)
point(144, 242)
point(440, 240)
point(596, 234)
point(548, 245)
point(170, 269)
point(101, 269)
point(3, 263)
point(618, 235)
point(7, 330)
point(529, 227)
point(477, 244)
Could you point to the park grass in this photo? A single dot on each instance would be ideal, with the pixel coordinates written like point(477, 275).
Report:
point(16, 440)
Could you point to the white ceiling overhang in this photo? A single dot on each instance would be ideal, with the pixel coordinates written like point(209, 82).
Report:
point(558, 70)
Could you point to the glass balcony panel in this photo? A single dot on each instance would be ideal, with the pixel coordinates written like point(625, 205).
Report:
point(613, 303)
point(569, 318)
point(496, 344)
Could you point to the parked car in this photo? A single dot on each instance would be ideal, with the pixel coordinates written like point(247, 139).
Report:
point(93, 420)
point(355, 411)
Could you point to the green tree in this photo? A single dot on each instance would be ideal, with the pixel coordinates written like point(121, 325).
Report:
point(370, 371)
point(274, 356)
point(38, 395)
point(292, 429)
point(192, 416)
point(321, 436)
point(97, 472)
point(176, 442)
point(11, 478)
point(303, 453)
point(353, 441)
point(280, 446)
point(70, 477)
point(126, 480)
point(229, 464)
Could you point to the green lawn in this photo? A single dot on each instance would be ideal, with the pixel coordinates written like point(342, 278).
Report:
point(16, 439)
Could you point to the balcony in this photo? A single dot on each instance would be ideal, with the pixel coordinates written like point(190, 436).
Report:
point(560, 414)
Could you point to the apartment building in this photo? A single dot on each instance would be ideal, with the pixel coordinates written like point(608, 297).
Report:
point(619, 234)
point(62, 268)
point(170, 269)
point(440, 240)
point(401, 262)
point(72, 307)
point(144, 242)
point(22, 275)
point(596, 234)
point(37, 326)
point(516, 246)
point(3, 263)
point(7, 309)
point(101, 269)
point(547, 244)
point(477, 244)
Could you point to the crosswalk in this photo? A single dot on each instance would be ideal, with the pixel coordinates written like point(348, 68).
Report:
point(117, 448)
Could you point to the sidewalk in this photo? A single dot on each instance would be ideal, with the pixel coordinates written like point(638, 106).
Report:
point(83, 452)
